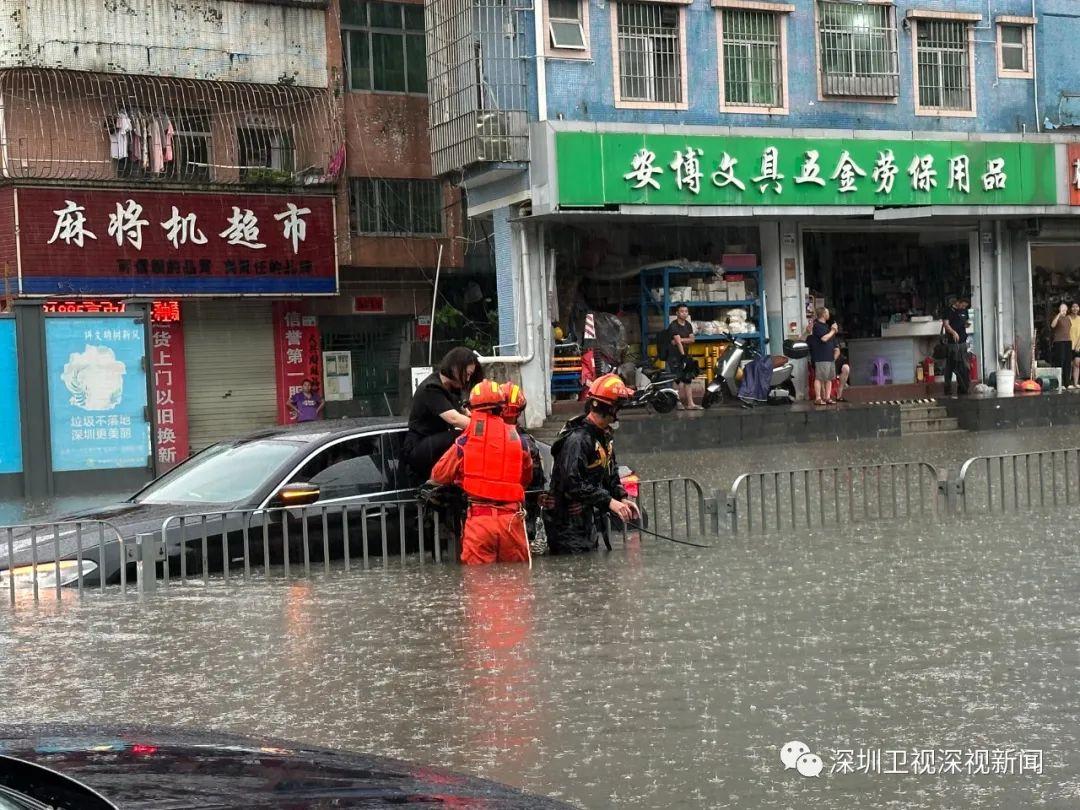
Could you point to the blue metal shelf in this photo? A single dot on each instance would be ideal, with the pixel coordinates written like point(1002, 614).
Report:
point(664, 274)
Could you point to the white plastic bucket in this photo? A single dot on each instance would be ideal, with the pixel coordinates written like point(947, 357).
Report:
point(1005, 382)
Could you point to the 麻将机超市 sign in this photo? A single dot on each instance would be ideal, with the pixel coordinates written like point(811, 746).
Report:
point(93, 242)
point(619, 168)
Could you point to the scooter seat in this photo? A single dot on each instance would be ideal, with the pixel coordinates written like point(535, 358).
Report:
point(664, 377)
point(779, 361)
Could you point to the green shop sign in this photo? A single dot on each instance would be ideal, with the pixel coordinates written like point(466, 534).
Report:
point(644, 169)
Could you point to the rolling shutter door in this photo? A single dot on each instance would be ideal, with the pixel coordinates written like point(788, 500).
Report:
point(231, 385)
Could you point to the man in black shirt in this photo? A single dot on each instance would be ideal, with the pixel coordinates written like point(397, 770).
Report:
point(436, 414)
point(955, 326)
point(680, 336)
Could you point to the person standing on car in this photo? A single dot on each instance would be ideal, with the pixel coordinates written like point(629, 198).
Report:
point(955, 326)
point(585, 477)
point(436, 414)
point(491, 462)
point(680, 334)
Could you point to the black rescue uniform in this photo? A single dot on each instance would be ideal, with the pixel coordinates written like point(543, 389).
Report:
point(429, 436)
point(584, 478)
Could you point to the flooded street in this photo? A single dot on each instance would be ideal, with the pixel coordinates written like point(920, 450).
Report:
point(654, 676)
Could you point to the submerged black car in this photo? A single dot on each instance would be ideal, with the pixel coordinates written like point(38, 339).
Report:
point(254, 499)
point(82, 768)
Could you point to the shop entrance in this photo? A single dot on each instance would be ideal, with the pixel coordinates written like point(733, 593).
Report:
point(888, 291)
point(1055, 280)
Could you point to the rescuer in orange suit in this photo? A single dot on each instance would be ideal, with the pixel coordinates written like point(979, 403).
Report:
point(491, 462)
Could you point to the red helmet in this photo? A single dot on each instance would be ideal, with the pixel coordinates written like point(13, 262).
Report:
point(609, 389)
point(513, 401)
point(486, 395)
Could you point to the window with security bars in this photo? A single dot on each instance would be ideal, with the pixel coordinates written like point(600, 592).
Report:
point(858, 49)
point(753, 74)
point(943, 64)
point(384, 46)
point(650, 52)
point(396, 207)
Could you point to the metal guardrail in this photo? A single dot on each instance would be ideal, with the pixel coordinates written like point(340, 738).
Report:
point(71, 545)
point(777, 501)
point(1018, 482)
point(237, 545)
point(242, 545)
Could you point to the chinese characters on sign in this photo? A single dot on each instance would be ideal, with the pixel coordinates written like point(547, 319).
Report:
point(667, 169)
point(97, 242)
point(97, 392)
point(170, 386)
point(298, 351)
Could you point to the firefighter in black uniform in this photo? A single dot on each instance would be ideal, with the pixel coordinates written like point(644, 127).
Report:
point(585, 478)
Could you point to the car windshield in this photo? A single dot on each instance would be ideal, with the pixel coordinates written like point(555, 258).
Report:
point(223, 473)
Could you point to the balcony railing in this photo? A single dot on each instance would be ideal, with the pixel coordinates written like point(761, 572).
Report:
point(74, 126)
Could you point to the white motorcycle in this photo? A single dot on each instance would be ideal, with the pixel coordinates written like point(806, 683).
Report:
point(725, 385)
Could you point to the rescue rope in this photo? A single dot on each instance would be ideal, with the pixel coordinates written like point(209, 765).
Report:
point(641, 528)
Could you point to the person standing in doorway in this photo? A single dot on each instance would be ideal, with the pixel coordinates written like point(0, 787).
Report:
point(1061, 351)
point(681, 337)
point(823, 355)
point(1074, 335)
point(955, 327)
point(306, 405)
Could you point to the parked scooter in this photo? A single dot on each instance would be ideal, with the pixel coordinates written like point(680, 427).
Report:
point(725, 385)
point(653, 390)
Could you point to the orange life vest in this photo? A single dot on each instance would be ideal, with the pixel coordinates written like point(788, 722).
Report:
point(493, 460)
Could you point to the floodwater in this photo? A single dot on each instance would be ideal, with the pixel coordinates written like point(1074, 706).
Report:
point(654, 676)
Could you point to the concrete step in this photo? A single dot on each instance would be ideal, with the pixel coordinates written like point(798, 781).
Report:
point(918, 404)
point(922, 413)
point(936, 425)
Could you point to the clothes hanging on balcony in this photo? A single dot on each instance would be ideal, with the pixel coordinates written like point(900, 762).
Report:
point(119, 136)
point(169, 133)
point(157, 146)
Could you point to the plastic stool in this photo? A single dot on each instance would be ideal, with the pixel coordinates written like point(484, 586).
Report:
point(882, 371)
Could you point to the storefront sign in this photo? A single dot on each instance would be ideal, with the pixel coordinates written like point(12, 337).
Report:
point(134, 242)
point(298, 350)
point(82, 306)
point(1074, 173)
point(170, 393)
point(626, 169)
point(10, 417)
point(97, 392)
point(369, 304)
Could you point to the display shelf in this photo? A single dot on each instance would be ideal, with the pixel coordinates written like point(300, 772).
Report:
point(661, 277)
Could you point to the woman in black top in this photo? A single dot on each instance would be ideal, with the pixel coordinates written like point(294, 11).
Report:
point(436, 413)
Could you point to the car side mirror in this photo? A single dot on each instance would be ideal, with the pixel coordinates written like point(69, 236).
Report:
point(297, 494)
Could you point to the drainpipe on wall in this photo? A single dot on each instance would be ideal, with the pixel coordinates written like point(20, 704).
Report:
point(999, 326)
point(1034, 69)
point(541, 64)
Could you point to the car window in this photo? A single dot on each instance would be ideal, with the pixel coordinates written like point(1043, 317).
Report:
point(221, 474)
point(346, 469)
point(397, 472)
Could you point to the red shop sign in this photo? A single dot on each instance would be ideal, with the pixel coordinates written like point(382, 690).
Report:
point(370, 304)
point(298, 351)
point(133, 242)
point(170, 394)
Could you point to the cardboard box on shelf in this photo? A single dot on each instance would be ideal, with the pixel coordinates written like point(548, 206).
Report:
point(736, 290)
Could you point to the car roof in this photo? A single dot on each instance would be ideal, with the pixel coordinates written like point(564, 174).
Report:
point(314, 432)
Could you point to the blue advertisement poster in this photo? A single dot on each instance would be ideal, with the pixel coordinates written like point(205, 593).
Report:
point(97, 393)
point(10, 426)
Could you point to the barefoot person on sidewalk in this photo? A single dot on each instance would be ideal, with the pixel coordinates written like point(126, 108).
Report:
point(681, 336)
point(1074, 334)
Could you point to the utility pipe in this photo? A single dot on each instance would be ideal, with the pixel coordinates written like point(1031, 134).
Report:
point(1035, 69)
point(1000, 325)
point(434, 301)
point(539, 35)
point(530, 322)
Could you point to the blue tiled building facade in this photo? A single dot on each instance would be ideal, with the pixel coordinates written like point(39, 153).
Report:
point(1003, 70)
